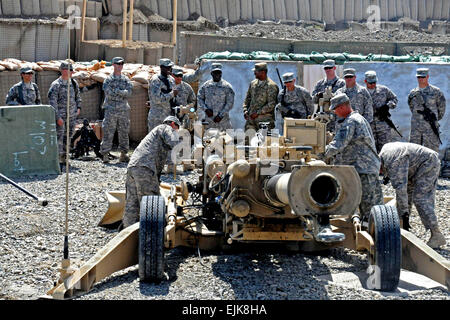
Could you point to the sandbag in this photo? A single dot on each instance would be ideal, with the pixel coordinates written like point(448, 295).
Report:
point(281, 56)
point(238, 56)
point(380, 57)
point(2, 68)
point(406, 58)
point(299, 57)
point(141, 77)
point(317, 57)
point(337, 57)
point(216, 55)
point(354, 57)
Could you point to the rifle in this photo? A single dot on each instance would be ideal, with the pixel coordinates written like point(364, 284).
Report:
point(384, 115)
point(429, 117)
point(290, 113)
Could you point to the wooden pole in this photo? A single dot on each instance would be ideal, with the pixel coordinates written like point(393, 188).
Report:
point(174, 33)
point(130, 30)
point(83, 19)
point(124, 24)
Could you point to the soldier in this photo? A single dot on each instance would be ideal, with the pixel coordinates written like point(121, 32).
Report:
point(383, 100)
point(25, 92)
point(57, 97)
point(330, 81)
point(354, 145)
point(146, 164)
point(261, 99)
point(186, 94)
point(295, 101)
point(117, 89)
point(413, 171)
point(360, 98)
point(215, 100)
point(160, 92)
point(427, 105)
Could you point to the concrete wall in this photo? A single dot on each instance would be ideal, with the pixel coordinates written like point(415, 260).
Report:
point(47, 8)
point(329, 11)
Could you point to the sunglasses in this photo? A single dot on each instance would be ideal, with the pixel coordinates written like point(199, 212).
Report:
point(328, 68)
point(119, 63)
point(349, 77)
point(421, 77)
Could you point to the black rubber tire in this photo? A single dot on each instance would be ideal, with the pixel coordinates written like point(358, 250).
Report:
point(151, 238)
point(384, 227)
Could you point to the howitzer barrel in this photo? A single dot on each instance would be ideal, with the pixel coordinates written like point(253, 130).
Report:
point(316, 190)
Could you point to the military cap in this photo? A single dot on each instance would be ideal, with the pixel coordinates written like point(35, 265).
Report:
point(165, 62)
point(117, 60)
point(288, 77)
point(349, 72)
point(371, 76)
point(65, 66)
point(261, 66)
point(329, 63)
point(216, 66)
point(170, 119)
point(338, 100)
point(177, 72)
point(26, 69)
point(422, 72)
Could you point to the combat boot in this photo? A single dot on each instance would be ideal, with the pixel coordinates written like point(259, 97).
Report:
point(124, 157)
point(105, 158)
point(437, 239)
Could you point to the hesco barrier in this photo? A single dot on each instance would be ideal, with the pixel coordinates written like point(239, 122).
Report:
point(28, 141)
point(138, 114)
point(192, 45)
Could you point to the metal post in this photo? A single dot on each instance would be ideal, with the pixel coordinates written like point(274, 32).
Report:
point(174, 33)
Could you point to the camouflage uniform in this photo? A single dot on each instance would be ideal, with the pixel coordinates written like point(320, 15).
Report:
point(219, 97)
point(57, 98)
point(185, 94)
point(421, 132)
point(117, 112)
point(360, 100)
point(145, 167)
point(354, 145)
point(159, 96)
point(413, 171)
point(298, 99)
point(30, 92)
point(261, 98)
point(382, 96)
point(321, 85)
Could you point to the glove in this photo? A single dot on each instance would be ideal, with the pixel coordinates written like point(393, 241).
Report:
point(217, 119)
point(319, 95)
point(253, 116)
point(209, 112)
point(406, 225)
point(386, 180)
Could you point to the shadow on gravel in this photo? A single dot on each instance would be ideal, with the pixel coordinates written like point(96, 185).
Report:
point(271, 272)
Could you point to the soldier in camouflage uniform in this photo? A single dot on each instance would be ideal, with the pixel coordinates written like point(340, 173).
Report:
point(331, 80)
point(145, 166)
point(413, 171)
point(383, 100)
point(433, 98)
point(25, 92)
point(294, 101)
point(215, 100)
point(185, 94)
point(261, 99)
point(117, 88)
point(57, 98)
point(354, 145)
point(160, 92)
point(360, 98)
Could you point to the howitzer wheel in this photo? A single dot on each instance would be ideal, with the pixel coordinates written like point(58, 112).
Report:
point(384, 227)
point(151, 238)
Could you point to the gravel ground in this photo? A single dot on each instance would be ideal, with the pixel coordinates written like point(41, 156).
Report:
point(283, 31)
point(31, 243)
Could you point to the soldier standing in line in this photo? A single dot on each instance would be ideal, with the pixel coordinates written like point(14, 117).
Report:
point(360, 98)
point(117, 88)
point(25, 92)
point(160, 92)
point(330, 81)
point(413, 171)
point(145, 166)
point(294, 101)
point(354, 145)
point(186, 94)
point(57, 97)
point(215, 100)
point(383, 100)
point(261, 99)
point(427, 105)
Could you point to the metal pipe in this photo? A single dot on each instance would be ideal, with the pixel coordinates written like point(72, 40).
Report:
point(124, 24)
point(130, 30)
point(83, 19)
point(43, 202)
